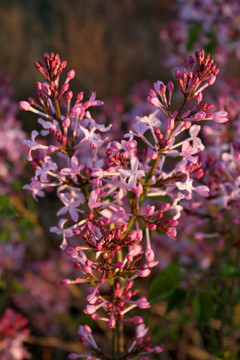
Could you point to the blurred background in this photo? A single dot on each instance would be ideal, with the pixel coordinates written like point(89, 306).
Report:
point(110, 44)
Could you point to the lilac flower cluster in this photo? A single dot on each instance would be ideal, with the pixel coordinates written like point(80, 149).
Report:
point(13, 332)
point(116, 194)
point(208, 23)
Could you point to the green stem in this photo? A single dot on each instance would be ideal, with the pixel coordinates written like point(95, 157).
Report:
point(58, 114)
point(149, 177)
point(83, 187)
point(181, 108)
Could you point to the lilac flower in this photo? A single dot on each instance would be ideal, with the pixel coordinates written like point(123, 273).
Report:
point(119, 181)
point(33, 145)
point(85, 333)
point(220, 116)
point(47, 166)
point(71, 201)
point(74, 169)
point(61, 231)
point(36, 187)
point(132, 174)
point(187, 151)
point(47, 125)
point(13, 333)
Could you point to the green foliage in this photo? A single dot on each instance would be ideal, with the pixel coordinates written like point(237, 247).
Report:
point(202, 307)
point(7, 210)
point(164, 285)
point(212, 43)
point(177, 299)
point(229, 271)
point(193, 36)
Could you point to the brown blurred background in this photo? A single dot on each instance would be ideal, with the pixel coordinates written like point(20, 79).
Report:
point(111, 44)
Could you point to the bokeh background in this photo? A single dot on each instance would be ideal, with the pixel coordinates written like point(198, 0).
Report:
point(110, 43)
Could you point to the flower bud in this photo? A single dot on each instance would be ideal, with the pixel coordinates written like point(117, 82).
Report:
point(24, 105)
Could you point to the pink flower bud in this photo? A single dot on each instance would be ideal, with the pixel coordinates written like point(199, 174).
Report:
point(112, 323)
point(39, 86)
point(90, 309)
point(51, 148)
point(142, 303)
point(149, 254)
point(69, 95)
point(220, 116)
point(65, 87)
point(63, 139)
point(177, 74)
point(144, 273)
point(149, 210)
point(187, 124)
point(91, 299)
point(24, 105)
point(152, 227)
point(186, 114)
point(66, 122)
point(195, 80)
point(71, 74)
point(137, 320)
point(172, 232)
point(199, 97)
point(139, 235)
point(157, 349)
point(138, 189)
point(80, 96)
point(165, 207)
point(170, 86)
point(200, 115)
point(211, 80)
point(139, 341)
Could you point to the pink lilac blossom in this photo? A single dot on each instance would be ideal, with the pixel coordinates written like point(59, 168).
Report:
point(41, 284)
point(206, 23)
point(13, 333)
point(108, 187)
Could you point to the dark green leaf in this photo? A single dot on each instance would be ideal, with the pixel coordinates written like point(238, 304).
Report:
point(176, 299)
point(163, 285)
point(7, 210)
point(193, 36)
point(229, 271)
point(18, 287)
point(202, 307)
point(212, 43)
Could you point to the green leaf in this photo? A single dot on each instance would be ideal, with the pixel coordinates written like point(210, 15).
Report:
point(164, 198)
point(229, 271)
point(212, 43)
point(18, 287)
point(3, 284)
point(202, 307)
point(193, 36)
point(163, 285)
point(176, 299)
point(7, 210)
point(5, 235)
